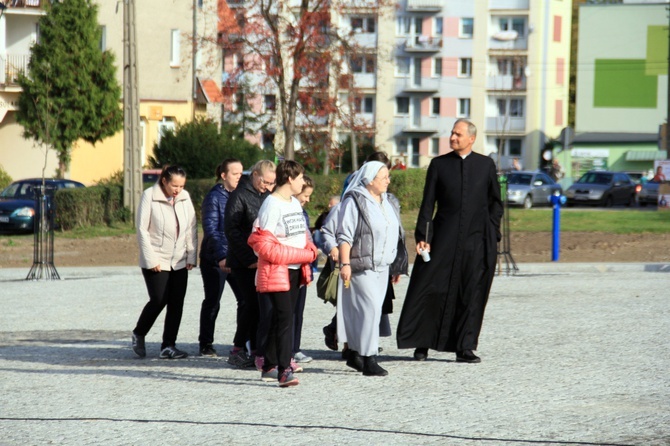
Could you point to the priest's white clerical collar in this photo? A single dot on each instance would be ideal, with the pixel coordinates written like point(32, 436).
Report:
point(466, 155)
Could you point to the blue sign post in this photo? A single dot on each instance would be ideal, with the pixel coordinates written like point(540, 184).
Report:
point(558, 200)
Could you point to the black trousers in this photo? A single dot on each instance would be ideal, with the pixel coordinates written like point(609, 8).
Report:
point(297, 318)
point(214, 281)
point(247, 325)
point(280, 337)
point(166, 289)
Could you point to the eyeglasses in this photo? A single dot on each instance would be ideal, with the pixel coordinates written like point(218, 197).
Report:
point(268, 183)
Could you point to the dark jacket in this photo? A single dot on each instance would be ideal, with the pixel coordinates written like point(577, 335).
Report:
point(241, 211)
point(214, 243)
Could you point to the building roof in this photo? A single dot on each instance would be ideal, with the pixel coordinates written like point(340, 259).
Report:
point(600, 137)
point(646, 155)
point(210, 90)
point(227, 21)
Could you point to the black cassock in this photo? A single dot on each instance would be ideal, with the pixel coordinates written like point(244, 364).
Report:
point(446, 297)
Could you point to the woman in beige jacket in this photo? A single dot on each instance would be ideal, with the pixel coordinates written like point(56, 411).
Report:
point(168, 238)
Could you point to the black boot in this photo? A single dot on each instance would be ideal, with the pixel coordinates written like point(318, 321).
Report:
point(371, 368)
point(355, 361)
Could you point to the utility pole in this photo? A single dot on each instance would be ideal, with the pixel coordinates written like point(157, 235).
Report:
point(667, 115)
point(132, 164)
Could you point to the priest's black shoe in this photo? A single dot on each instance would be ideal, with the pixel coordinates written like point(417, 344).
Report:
point(355, 361)
point(420, 354)
point(371, 368)
point(467, 356)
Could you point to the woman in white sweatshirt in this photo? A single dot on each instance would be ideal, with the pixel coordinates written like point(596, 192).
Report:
point(168, 238)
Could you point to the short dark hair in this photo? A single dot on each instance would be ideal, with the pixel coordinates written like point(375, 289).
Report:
point(288, 169)
point(309, 183)
point(170, 171)
point(381, 157)
point(224, 166)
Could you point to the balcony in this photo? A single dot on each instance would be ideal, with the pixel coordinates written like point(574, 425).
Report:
point(423, 44)
point(23, 3)
point(10, 67)
point(497, 42)
point(509, 4)
point(421, 85)
point(365, 80)
point(427, 125)
point(505, 124)
point(365, 40)
point(506, 83)
point(424, 5)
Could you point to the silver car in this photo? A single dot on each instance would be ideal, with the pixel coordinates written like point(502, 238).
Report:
point(528, 189)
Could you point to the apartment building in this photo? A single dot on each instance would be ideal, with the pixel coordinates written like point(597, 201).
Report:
point(18, 31)
point(425, 63)
point(171, 40)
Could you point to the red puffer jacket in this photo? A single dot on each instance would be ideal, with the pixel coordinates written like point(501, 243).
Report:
point(274, 258)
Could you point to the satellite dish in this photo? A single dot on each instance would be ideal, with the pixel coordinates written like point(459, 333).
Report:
point(506, 35)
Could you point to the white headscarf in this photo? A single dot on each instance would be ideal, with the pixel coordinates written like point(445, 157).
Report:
point(364, 175)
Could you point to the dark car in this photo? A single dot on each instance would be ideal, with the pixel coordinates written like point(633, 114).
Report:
point(17, 202)
point(648, 194)
point(530, 189)
point(602, 188)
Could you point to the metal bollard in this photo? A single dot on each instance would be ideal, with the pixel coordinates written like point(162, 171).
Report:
point(557, 200)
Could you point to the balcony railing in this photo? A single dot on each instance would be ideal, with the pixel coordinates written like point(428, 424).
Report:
point(520, 43)
point(416, 124)
point(509, 4)
point(424, 5)
point(421, 85)
point(506, 82)
point(506, 124)
point(23, 3)
point(423, 44)
point(10, 67)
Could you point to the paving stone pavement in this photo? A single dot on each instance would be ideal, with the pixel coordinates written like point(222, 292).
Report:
point(573, 354)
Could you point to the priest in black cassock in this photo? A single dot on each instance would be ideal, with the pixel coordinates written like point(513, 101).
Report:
point(446, 296)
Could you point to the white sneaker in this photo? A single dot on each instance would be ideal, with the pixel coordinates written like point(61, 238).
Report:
point(301, 357)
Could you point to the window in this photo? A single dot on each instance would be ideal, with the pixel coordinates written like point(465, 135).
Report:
point(511, 107)
point(240, 103)
point(435, 106)
point(363, 64)
point(509, 147)
point(437, 67)
point(439, 26)
point(270, 102)
point(402, 66)
point(402, 105)
point(435, 146)
point(465, 69)
point(363, 24)
point(175, 52)
point(268, 141)
point(401, 146)
point(164, 126)
point(517, 24)
point(466, 28)
point(364, 104)
point(403, 25)
point(418, 25)
point(464, 108)
point(103, 38)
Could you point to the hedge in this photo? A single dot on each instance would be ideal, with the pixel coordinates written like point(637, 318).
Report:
point(103, 204)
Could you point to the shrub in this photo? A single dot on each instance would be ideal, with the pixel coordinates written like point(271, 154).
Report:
point(5, 179)
point(90, 206)
point(198, 147)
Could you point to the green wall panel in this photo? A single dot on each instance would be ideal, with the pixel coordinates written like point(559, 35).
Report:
point(622, 83)
point(657, 51)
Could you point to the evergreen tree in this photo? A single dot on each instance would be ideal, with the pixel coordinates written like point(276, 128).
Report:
point(70, 91)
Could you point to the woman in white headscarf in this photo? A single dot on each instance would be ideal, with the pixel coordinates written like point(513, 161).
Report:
point(368, 234)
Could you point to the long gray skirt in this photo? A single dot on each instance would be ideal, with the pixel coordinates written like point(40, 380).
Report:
point(359, 310)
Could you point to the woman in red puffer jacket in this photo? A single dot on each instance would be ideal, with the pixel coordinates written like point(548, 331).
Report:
point(281, 242)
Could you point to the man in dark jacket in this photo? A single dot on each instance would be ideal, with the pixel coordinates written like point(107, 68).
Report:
point(241, 212)
point(447, 295)
point(213, 254)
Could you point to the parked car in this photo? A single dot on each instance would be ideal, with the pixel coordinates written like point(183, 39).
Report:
point(528, 189)
point(648, 194)
point(604, 188)
point(637, 177)
point(151, 175)
point(17, 202)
